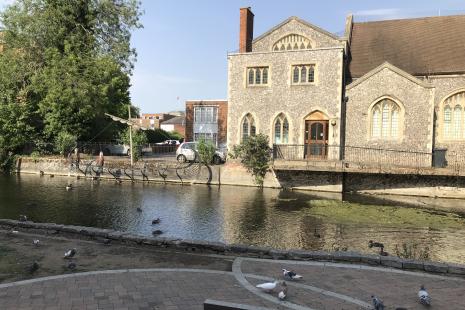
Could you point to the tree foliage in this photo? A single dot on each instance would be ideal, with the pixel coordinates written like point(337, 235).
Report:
point(206, 151)
point(139, 139)
point(255, 155)
point(63, 65)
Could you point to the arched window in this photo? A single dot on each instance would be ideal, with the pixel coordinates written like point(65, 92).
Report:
point(452, 118)
point(281, 130)
point(292, 42)
point(248, 127)
point(385, 122)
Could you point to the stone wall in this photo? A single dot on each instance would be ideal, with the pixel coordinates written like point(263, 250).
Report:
point(416, 130)
point(319, 37)
point(115, 237)
point(265, 103)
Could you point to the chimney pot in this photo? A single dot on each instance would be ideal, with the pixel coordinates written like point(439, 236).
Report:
point(246, 30)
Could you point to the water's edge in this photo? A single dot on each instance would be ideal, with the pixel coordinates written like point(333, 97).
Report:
point(91, 233)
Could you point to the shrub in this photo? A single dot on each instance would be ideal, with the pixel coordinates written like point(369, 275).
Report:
point(139, 139)
point(255, 156)
point(65, 143)
point(206, 151)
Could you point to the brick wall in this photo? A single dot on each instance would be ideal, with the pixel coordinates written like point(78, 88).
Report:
point(222, 118)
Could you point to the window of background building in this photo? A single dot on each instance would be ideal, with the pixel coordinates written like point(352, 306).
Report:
point(452, 118)
point(257, 76)
point(206, 115)
point(212, 137)
point(281, 130)
point(303, 74)
point(385, 120)
point(248, 127)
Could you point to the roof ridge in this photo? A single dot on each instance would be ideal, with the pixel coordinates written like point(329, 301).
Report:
point(405, 19)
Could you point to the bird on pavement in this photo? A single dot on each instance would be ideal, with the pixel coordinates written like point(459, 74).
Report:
point(33, 268)
point(156, 221)
point(377, 303)
point(291, 274)
point(70, 253)
point(268, 286)
point(72, 266)
point(424, 297)
point(23, 218)
point(36, 242)
point(283, 292)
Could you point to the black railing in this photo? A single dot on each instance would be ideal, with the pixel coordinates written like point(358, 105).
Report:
point(362, 156)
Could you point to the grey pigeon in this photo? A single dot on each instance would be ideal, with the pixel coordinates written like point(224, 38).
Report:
point(377, 303)
point(424, 297)
point(291, 274)
point(283, 292)
point(70, 253)
point(156, 221)
point(34, 267)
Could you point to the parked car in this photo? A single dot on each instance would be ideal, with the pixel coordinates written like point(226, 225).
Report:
point(170, 142)
point(187, 151)
point(116, 149)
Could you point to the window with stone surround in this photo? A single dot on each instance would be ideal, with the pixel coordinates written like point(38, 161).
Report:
point(303, 74)
point(385, 123)
point(248, 127)
point(257, 76)
point(452, 117)
point(281, 130)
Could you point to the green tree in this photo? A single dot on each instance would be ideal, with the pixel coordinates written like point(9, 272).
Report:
point(65, 143)
point(139, 139)
point(255, 155)
point(63, 65)
point(206, 151)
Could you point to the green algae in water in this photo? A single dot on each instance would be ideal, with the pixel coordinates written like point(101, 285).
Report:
point(375, 215)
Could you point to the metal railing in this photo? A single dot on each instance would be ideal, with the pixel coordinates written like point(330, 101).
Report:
point(362, 156)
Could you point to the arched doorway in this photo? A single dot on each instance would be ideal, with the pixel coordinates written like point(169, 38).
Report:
point(316, 135)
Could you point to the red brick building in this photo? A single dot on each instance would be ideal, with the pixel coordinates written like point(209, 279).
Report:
point(207, 119)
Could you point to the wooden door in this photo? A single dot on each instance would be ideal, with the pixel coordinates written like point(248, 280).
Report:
point(316, 139)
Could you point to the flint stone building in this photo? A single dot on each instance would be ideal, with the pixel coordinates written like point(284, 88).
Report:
point(396, 84)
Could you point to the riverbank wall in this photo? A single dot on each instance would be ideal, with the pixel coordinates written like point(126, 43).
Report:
point(233, 173)
point(197, 246)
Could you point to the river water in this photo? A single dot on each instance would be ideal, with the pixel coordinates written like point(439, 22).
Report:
point(268, 217)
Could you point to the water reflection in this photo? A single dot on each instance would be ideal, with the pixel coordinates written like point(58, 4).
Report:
point(267, 217)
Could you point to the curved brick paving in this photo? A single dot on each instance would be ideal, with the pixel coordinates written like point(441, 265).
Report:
point(325, 286)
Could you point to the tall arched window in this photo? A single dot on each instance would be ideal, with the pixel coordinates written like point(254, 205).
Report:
point(281, 130)
point(385, 122)
point(248, 127)
point(452, 118)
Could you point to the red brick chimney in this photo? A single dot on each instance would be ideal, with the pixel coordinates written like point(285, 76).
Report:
point(246, 30)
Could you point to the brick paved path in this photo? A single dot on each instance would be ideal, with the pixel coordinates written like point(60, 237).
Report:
point(325, 286)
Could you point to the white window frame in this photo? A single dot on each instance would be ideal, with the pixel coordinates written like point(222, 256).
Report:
point(254, 70)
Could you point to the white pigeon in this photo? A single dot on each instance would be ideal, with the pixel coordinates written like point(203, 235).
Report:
point(291, 274)
point(268, 286)
point(36, 242)
point(283, 293)
point(424, 297)
point(70, 253)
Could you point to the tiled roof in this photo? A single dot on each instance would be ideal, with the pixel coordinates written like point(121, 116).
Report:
point(420, 46)
point(175, 120)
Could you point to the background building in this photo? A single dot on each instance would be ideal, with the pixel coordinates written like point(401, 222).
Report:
point(177, 124)
point(207, 119)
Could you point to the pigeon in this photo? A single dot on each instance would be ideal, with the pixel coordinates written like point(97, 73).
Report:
point(70, 253)
point(139, 209)
point(291, 274)
point(424, 297)
point(268, 286)
point(283, 293)
point(157, 232)
point(374, 244)
point(33, 268)
point(69, 187)
point(23, 218)
point(377, 303)
point(36, 242)
point(156, 221)
point(72, 266)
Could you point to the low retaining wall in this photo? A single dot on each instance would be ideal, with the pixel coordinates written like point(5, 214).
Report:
point(90, 233)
